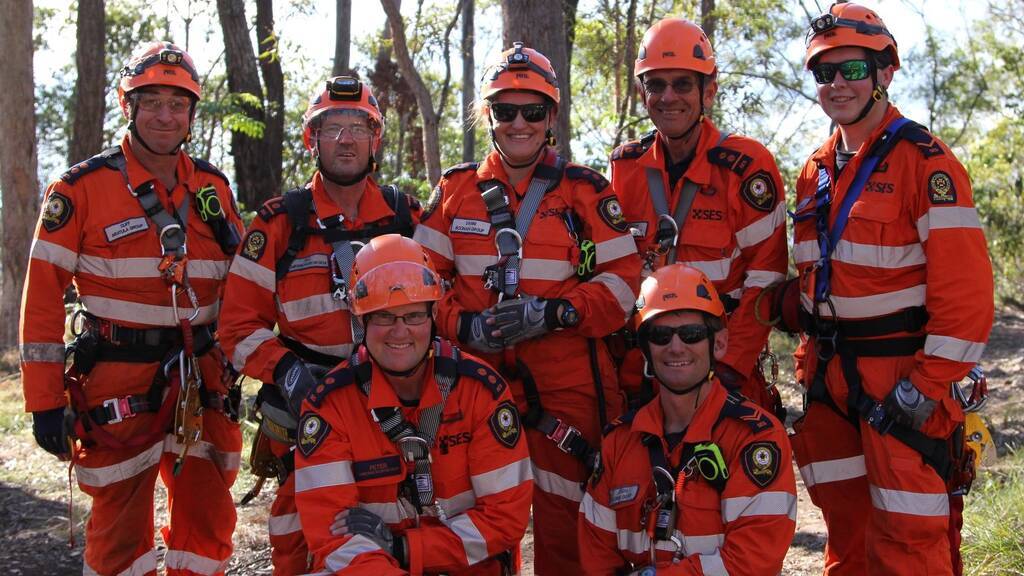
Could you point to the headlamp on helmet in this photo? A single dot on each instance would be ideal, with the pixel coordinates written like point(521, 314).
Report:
point(345, 88)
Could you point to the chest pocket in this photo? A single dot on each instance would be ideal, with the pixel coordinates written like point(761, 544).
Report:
point(875, 210)
point(700, 509)
point(707, 225)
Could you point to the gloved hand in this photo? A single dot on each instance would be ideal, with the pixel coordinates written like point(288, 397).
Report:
point(278, 422)
point(908, 406)
point(524, 318)
point(476, 330)
point(729, 377)
point(295, 378)
point(358, 521)
point(50, 432)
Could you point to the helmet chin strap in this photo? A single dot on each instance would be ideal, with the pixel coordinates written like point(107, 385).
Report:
point(878, 92)
point(693, 126)
point(698, 384)
point(504, 156)
point(371, 166)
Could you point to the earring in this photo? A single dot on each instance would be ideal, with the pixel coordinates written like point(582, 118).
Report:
point(647, 369)
point(549, 138)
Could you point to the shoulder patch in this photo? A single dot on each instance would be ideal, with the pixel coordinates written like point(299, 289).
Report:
point(729, 158)
point(505, 426)
point(56, 212)
point(272, 208)
point(739, 408)
point(460, 168)
point(432, 203)
point(254, 245)
point(335, 379)
point(205, 166)
point(480, 371)
point(596, 179)
point(312, 431)
point(759, 191)
point(90, 165)
point(761, 462)
point(941, 189)
point(926, 143)
point(611, 212)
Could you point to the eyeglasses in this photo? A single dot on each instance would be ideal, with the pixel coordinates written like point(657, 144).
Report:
point(388, 319)
point(683, 85)
point(153, 103)
point(358, 132)
point(688, 333)
point(505, 112)
point(852, 70)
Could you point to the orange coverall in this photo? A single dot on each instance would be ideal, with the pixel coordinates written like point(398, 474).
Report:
point(301, 306)
point(93, 231)
point(479, 466)
point(735, 233)
point(744, 529)
point(458, 233)
point(913, 239)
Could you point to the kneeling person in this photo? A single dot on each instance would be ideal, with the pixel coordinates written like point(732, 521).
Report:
point(699, 480)
point(409, 454)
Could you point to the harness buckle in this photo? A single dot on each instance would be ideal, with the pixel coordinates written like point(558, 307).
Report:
point(564, 435)
point(879, 419)
point(120, 407)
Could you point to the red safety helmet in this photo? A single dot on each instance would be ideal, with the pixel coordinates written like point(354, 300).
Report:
point(675, 43)
point(520, 68)
point(342, 93)
point(392, 270)
point(849, 24)
point(677, 287)
point(158, 64)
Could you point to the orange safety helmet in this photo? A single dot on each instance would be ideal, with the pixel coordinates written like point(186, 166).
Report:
point(392, 270)
point(158, 64)
point(849, 24)
point(342, 93)
point(520, 68)
point(677, 287)
point(675, 43)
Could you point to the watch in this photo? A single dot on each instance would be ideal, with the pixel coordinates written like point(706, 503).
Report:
point(570, 317)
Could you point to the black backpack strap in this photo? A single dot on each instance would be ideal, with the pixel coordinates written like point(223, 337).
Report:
point(297, 202)
point(399, 202)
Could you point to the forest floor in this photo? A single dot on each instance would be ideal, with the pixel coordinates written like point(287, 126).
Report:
point(34, 488)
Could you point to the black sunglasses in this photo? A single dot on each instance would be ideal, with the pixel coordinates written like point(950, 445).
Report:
point(505, 112)
point(679, 85)
point(852, 70)
point(688, 333)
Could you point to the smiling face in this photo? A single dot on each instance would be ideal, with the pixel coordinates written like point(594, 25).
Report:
point(163, 116)
point(672, 112)
point(842, 100)
point(399, 347)
point(519, 140)
point(678, 365)
point(343, 157)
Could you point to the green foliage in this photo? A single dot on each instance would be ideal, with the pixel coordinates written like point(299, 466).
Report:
point(994, 520)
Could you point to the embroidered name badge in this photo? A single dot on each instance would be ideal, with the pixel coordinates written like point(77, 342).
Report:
point(467, 226)
point(377, 468)
point(622, 494)
point(312, 431)
point(125, 228)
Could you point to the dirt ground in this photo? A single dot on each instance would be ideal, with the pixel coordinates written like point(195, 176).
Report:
point(34, 488)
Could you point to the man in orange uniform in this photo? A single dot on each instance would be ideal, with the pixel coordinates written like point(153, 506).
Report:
point(896, 294)
point(409, 454)
point(116, 225)
point(713, 201)
point(732, 509)
point(292, 272)
point(542, 267)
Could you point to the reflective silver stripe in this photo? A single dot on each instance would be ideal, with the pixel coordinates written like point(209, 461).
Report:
point(323, 475)
point(389, 512)
point(870, 306)
point(635, 542)
point(344, 554)
point(118, 268)
point(473, 542)
point(706, 544)
point(42, 352)
point(623, 293)
point(716, 270)
point(285, 524)
point(598, 514)
point(916, 503)
point(311, 306)
point(554, 484)
point(125, 311)
point(123, 470)
point(806, 251)
point(467, 265)
point(762, 278)
point(54, 254)
point(340, 350)
point(249, 344)
point(501, 479)
point(140, 567)
point(954, 349)
point(206, 451)
point(458, 504)
point(833, 470)
point(434, 240)
point(615, 248)
point(255, 273)
point(544, 269)
point(184, 560)
point(737, 293)
point(878, 256)
point(760, 504)
point(712, 565)
point(763, 228)
point(949, 217)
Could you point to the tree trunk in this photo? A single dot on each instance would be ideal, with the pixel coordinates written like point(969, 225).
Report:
point(708, 20)
point(20, 188)
point(273, 79)
point(431, 145)
point(468, 82)
point(90, 86)
point(542, 28)
point(253, 182)
point(343, 37)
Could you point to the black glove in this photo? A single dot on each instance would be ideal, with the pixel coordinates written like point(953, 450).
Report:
point(908, 406)
point(278, 423)
point(50, 431)
point(475, 332)
point(369, 525)
point(525, 318)
point(295, 378)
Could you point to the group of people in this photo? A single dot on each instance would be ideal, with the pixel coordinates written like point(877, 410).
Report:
point(533, 337)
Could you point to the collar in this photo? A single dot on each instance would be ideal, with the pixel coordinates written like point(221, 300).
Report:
point(651, 418)
point(139, 175)
point(372, 206)
point(827, 153)
point(492, 169)
point(700, 169)
point(382, 395)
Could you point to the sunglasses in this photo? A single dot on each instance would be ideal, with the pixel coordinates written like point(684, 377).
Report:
point(851, 70)
point(679, 85)
point(505, 112)
point(688, 333)
point(388, 319)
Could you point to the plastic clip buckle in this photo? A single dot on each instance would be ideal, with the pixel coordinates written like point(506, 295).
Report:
point(564, 435)
point(121, 407)
point(879, 420)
